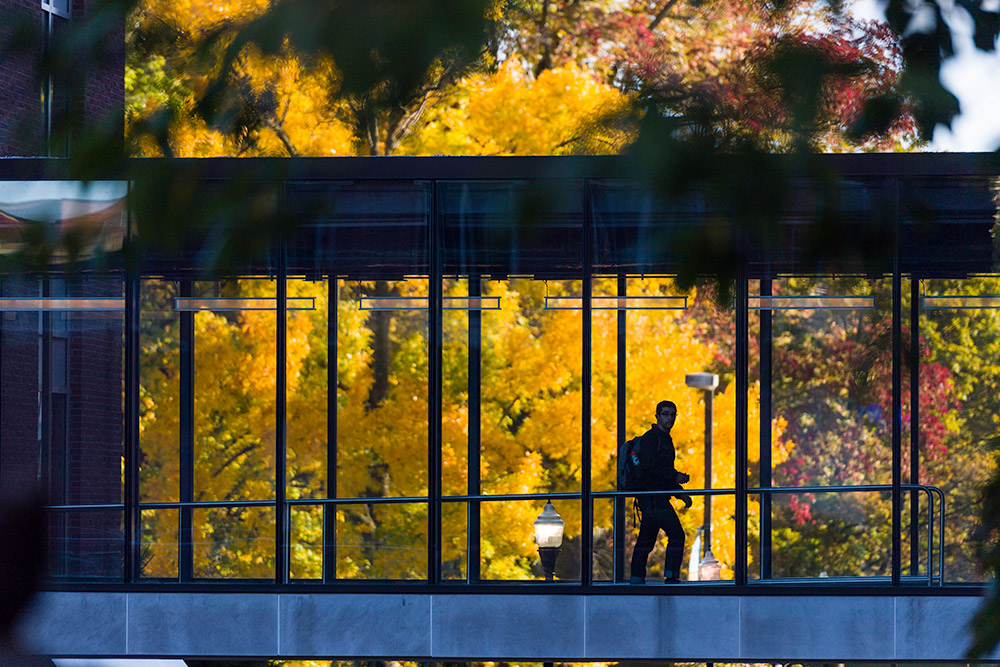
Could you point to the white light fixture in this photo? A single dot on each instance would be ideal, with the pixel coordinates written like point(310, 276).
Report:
point(705, 381)
point(549, 528)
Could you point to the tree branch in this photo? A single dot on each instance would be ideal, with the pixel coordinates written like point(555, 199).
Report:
point(662, 14)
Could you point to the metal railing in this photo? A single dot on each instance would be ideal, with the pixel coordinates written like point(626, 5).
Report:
point(931, 492)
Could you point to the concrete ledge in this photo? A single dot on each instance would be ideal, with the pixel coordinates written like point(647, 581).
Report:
point(453, 626)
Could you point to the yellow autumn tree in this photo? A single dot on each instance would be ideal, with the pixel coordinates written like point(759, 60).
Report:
point(511, 112)
point(529, 418)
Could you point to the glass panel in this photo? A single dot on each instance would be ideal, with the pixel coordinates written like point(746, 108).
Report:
point(459, 328)
point(947, 226)
point(159, 393)
point(382, 394)
point(234, 395)
point(842, 534)
point(663, 348)
point(365, 229)
point(604, 539)
point(85, 545)
point(234, 542)
point(308, 380)
point(831, 407)
point(158, 554)
point(512, 228)
point(455, 535)
point(306, 541)
point(62, 387)
point(83, 224)
point(382, 541)
point(507, 540)
point(959, 377)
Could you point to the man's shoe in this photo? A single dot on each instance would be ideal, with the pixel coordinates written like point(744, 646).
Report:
point(636, 581)
point(671, 580)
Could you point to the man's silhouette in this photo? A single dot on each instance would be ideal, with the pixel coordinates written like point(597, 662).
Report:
point(656, 464)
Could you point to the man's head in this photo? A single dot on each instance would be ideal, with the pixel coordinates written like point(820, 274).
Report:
point(666, 414)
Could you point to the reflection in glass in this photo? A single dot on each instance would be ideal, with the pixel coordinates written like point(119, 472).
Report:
point(85, 545)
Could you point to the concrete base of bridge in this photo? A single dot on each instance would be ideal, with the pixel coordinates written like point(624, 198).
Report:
point(467, 626)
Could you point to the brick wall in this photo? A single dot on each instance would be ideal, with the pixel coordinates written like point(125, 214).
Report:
point(21, 111)
point(103, 98)
point(98, 96)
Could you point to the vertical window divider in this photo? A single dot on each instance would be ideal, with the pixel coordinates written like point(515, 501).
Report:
point(587, 510)
point(332, 370)
point(434, 416)
point(897, 397)
point(45, 407)
point(765, 464)
point(133, 516)
point(186, 433)
point(915, 431)
point(742, 385)
point(474, 518)
point(620, 433)
point(281, 511)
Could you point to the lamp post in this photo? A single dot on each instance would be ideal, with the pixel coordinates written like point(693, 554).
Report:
point(549, 528)
point(709, 567)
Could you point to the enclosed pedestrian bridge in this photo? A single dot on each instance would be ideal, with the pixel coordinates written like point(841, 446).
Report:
point(313, 408)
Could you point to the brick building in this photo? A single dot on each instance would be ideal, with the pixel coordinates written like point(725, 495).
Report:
point(37, 108)
point(60, 423)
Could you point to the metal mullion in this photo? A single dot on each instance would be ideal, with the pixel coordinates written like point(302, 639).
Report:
point(897, 398)
point(587, 510)
point(742, 384)
point(434, 335)
point(621, 384)
point(474, 517)
point(765, 464)
point(186, 435)
point(281, 514)
point(133, 517)
point(330, 512)
point(915, 428)
point(45, 407)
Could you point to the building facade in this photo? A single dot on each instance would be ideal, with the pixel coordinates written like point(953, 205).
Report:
point(377, 397)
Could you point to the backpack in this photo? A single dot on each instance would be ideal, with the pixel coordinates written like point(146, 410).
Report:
point(630, 475)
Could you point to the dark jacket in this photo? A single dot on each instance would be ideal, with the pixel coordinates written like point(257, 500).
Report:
point(656, 460)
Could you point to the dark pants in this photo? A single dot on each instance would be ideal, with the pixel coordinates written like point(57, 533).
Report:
point(658, 514)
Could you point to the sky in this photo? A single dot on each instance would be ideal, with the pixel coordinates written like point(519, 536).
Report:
point(972, 76)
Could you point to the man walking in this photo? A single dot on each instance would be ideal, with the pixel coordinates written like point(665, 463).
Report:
point(656, 463)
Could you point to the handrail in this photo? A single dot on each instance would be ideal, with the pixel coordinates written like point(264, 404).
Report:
point(931, 492)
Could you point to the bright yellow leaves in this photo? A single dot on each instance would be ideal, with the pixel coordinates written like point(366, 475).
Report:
point(529, 419)
point(509, 112)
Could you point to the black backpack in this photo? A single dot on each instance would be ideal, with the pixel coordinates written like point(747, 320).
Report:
point(630, 475)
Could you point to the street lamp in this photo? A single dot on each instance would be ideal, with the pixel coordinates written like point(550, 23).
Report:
point(549, 528)
point(709, 567)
